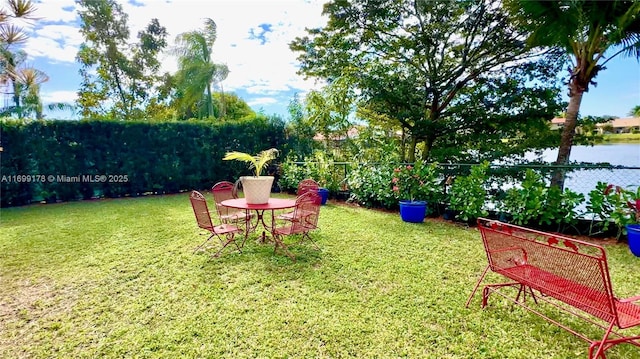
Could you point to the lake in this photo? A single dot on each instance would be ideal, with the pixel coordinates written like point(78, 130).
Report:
point(619, 154)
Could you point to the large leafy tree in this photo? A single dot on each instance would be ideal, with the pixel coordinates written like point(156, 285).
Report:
point(117, 77)
point(585, 30)
point(425, 65)
point(197, 72)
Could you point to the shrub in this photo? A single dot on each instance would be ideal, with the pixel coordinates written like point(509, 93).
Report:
point(319, 167)
point(468, 194)
point(613, 204)
point(534, 202)
point(370, 185)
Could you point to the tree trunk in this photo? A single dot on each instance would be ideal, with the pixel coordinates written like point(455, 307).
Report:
point(412, 150)
point(222, 109)
point(209, 101)
point(428, 145)
point(403, 146)
point(568, 132)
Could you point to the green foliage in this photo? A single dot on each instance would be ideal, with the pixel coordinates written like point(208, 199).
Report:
point(21, 82)
point(197, 72)
point(370, 185)
point(163, 157)
point(112, 69)
point(468, 194)
point(418, 182)
point(319, 167)
point(477, 89)
point(256, 162)
point(533, 201)
point(614, 204)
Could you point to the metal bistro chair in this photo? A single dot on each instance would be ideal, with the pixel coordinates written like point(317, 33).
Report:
point(226, 190)
point(306, 185)
point(203, 217)
point(304, 219)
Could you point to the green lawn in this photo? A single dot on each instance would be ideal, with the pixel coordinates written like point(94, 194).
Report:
point(622, 137)
point(117, 278)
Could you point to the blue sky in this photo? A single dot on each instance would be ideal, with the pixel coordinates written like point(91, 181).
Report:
point(253, 38)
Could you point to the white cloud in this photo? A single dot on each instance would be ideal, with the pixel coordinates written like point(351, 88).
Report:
point(56, 10)
point(58, 43)
point(261, 69)
point(59, 96)
point(262, 101)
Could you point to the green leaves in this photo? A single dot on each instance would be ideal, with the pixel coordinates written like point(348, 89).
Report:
point(422, 65)
point(112, 68)
point(256, 162)
point(468, 194)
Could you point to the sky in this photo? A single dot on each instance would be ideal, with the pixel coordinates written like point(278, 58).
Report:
point(253, 41)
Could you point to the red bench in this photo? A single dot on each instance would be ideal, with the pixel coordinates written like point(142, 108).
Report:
point(567, 273)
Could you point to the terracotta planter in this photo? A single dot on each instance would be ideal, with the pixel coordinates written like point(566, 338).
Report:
point(257, 190)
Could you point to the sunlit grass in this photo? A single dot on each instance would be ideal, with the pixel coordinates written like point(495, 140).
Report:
point(622, 137)
point(117, 278)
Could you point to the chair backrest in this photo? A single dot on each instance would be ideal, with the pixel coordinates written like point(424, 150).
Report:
point(306, 212)
point(579, 266)
point(307, 185)
point(200, 209)
point(222, 191)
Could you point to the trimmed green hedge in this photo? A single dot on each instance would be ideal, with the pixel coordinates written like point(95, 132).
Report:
point(135, 157)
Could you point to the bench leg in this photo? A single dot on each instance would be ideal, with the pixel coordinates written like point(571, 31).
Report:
point(523, 291)
point(600, 345)
point(476, 287)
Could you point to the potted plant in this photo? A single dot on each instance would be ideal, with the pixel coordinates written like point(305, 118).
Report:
point(408, 186)
point(257, 188)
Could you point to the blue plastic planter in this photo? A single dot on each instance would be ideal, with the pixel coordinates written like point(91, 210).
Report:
point(413, 211)
point(324, 195)
point(633, 236)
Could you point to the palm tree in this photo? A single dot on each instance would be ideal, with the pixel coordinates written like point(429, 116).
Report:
point(196, 71)
point(635, 111)
point(584, 30)
point(11, 36)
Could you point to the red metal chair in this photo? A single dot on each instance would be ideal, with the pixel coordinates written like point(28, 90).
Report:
point(226, 190)
point(306, 185)
point(203, 217)
point(304, 219)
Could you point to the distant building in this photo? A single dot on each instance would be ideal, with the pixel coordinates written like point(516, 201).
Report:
point(618, 125)
point(353, 132)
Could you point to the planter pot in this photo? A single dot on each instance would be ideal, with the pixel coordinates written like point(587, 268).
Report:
point(413, 211)
point(324, 195)
point(257, 190)
point(633, 236)
point(449, 214)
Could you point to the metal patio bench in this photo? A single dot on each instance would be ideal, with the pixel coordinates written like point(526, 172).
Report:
point(569, 274)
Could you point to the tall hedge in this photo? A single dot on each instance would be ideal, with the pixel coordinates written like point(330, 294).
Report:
point(163, 157)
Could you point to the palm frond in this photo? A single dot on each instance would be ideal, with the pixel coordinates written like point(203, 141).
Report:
point(11, 34)
point(23, 8)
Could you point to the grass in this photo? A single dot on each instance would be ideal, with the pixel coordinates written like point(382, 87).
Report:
point(117, 278)
point(622, 137)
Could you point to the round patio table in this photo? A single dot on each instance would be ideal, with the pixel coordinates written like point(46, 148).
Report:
point(272, 205)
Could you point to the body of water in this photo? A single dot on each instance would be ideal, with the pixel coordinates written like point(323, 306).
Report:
point(584, 181)
point(619, 154)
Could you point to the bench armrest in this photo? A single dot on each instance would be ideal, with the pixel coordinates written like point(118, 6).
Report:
point(630, 299)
